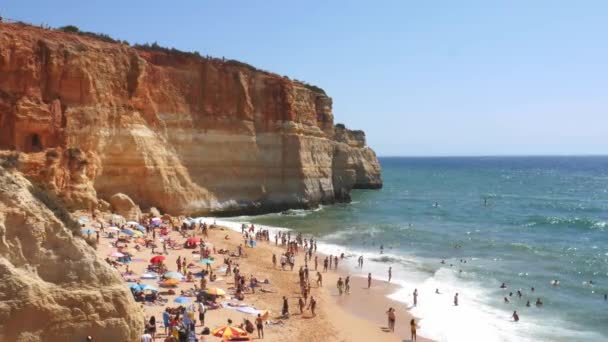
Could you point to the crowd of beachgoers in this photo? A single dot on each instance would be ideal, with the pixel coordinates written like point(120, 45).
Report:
point(196, 280)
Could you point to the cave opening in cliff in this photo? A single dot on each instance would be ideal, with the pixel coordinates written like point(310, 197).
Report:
point(33, 143)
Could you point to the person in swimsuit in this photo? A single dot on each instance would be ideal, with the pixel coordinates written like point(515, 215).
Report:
point(391, 319)
point(259, 324)
point(413, 329)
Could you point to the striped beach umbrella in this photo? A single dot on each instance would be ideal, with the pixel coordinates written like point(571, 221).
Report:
point(229, 332)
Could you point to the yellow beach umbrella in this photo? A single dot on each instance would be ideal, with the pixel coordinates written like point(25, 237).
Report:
point(215, 291)
point(229, 332)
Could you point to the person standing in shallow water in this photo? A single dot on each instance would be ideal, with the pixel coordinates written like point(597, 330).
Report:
point(456, 299)
point(390, 274)
point(369, 280)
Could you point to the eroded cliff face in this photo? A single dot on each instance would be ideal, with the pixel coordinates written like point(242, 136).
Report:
point(181, 133)
point(52, 285)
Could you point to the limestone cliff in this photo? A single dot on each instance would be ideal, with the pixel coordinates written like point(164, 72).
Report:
point(179, 132)
point(52, 285)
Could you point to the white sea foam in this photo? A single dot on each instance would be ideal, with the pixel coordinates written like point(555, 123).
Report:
point(475, 319)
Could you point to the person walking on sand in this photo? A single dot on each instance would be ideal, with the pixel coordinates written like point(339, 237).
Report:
point(325, 262)
point(274, 261)
point(515, 316)
point(316, 262)
point(391, 319)
point(347, 285)
point(285, 309)
point(336, 262)
point(259, 324)
point(413, 329)
point(369, 280)
point(301, 305)
point(312, 305)
point(340, 285)
point(390, 274)
point(319, 279)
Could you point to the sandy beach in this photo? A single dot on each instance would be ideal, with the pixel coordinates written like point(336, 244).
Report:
point(358, 316)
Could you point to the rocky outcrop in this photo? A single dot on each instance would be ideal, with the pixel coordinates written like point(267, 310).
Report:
point(179, 132)
point(123, 205)
point(52, 285)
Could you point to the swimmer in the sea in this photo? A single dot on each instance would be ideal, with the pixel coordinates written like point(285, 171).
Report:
point(539, 302)
point(528, 303)
point(437, 291)
point(503, 286)
point(506, 300)
point(515, 316)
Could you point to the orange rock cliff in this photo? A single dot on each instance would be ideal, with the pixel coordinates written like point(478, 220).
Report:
point(185, 134)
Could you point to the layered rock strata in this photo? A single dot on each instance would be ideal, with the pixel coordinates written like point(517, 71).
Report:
point(175, 131)
point(52, 285)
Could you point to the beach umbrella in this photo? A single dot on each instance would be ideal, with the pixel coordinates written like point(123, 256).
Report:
point(132, 223)
point(135, 286)
point(207, 261)
point(215, 291)
point(193, 240)
point(227, 332)
point(149, 276)
point(114, 228)
point(137, 233)
point(141, 228)
point(156, 219)
point(127, 231)
point(173, 275)
point(83, 220)
point(157, 259)
point(182, 300)
point(147, 287)
point(87, 230)
point(117, 255)
point(170, 282)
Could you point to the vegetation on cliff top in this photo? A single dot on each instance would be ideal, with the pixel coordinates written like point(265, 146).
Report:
point(156, 47)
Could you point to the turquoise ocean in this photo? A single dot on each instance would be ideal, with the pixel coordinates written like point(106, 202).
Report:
point(524, 221)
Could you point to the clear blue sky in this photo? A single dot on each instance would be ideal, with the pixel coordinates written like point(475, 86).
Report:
point(420, 77)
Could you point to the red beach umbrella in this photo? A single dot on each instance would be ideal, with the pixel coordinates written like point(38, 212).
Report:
point(157, 259)
point(193, 240)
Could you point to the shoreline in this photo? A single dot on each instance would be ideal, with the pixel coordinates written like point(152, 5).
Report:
point(347, 318)
point(356, 304)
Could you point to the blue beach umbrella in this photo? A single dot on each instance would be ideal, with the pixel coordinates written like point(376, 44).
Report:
point(135, 286)
point(127, 231)
point(182, 300)
point(149, 287)
point(173, 275)
point(141, 228)
point(88, 231)
point(207, 261)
